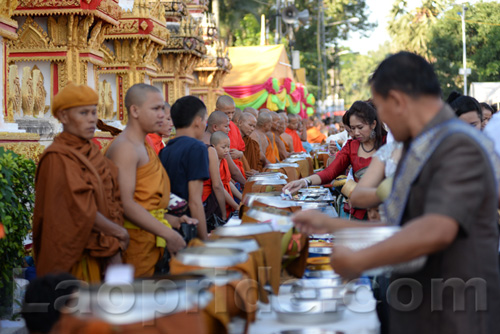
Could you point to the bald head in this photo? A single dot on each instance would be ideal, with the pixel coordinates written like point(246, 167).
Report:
point(264, 119)
point(137, 94)
point(237, 115)
point(252, 111)
point(224, 101)
point(217, 137)
point(247, 124)
point(293, 121)
point(217, 121)
point(264, 110)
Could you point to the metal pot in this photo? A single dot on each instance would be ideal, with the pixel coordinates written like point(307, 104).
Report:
point(270, 182)
point(246, 245)
point(277, 166)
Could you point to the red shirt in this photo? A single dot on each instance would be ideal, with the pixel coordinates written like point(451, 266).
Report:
point(348, 155)
point(235, 137)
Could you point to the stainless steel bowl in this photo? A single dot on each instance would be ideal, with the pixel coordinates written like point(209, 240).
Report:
point(320, 250)
point(243, 230)
point(270, 182)
point(260, 177)
point(281, 165)
point(360, 238)
point(280, 219)
point(218, 277)
point(246, 245)
point(319, 274)
point(211, 257)
point(290, 310)
point(140, 301)
point(323, 288)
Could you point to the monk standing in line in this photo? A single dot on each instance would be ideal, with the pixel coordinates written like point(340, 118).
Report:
point(226, 104)
point(291, 129)
point(252, 111)
point(274, 137)
point(264, 123)
point(78, 217)
point(156, 139)
point(144, 184)
point(252, 153)
point(314, 135)
point(285, 137)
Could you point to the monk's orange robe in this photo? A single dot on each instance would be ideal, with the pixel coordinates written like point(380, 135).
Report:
point(73, 182)
point(156, 142)
point(287, 148)
point(225, 176)
point(236, 142)
point(252, 153)
point(314, 136)
point(297, 143)
point(270, 151)
point(275, 149)
point(152, 192)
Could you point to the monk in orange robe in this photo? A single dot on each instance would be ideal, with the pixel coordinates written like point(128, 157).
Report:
point(274, 136)
point(222, 145)
point(264, 123)
point(285, 137)
point(226, 104)
point(144, 183)
point(314, 135)
point(291, 129)
point(155, 140)
point(78, 216)
point(252, 153)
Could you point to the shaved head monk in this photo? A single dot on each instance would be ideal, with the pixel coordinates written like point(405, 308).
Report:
point(264, 123)
point(219, 121)
point(144, 184)
point(226, 104)
point(252, 153)
point(291, 129)
point(252, 111)
point(285, 137)
point(237, 115)
point(274, 137)
point(78, 217)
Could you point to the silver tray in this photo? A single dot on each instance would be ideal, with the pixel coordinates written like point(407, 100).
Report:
point(218, 277)
point(211, 257)
point(270, 182)
point(307, 312)
point(246, 245)
point(243, 230)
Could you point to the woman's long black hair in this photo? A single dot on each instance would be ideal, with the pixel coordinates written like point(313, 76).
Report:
point(367, 113)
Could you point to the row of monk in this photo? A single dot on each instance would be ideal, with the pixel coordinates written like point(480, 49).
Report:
point(93, 209)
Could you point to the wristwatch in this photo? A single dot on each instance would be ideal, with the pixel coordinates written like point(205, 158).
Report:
point(308, 181)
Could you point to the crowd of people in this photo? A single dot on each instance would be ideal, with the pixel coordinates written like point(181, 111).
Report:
point(406, 148)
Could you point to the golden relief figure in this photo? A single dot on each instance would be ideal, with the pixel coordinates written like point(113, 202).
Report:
point(100, 104)
point(40, 93)
point(27, 92)
point(58, 30)
point(14, 97)
point(108, 101)
point(7, 8)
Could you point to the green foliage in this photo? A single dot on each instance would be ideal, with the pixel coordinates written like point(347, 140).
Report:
point(483, 45)
point(355, 71)
point(17, 199)
point(249, 34)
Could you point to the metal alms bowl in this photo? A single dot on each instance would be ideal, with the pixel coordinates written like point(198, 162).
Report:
point(307, 312)
point(243, 230)
point(271, 182)
point(144, 300)
point(360, 238)
point(261, 197)
point(218, 276)
point(211, 257)
point(323, 288)
point(277, 166)
point(266, 176)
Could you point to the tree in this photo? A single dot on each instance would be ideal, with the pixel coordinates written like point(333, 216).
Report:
point(249, 34)
point(410, 30)
point(483, 45)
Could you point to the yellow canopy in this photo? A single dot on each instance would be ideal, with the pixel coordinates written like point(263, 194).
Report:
point(254, 65)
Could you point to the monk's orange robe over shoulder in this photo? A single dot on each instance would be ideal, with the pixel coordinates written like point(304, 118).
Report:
point(287, 148)
point(270, 151)
point(225, 176)
point(275, 149)
point(252, 153)
point(73, 182)
point(297, 143)
point(314, 136)
point(152, 192)
point(236, 142)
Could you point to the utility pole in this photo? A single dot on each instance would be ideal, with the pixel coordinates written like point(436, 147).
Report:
point(464, 49)
point(277, 34)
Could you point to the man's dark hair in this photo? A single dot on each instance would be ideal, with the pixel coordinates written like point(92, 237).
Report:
point(487, 106)
point(185, 110)
point(463, 104)
point(39, 310)
point(405, 72)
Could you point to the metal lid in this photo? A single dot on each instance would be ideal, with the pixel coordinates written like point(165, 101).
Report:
point(219, 277)
point(281, 219)
point(246, 245)
point(270, 182)
point(261, 197)
point(243, 230)
point(320, 250)
point(281, 165)
point(211, 257)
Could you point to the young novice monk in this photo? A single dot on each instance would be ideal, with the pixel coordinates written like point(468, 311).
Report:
point(221, 142)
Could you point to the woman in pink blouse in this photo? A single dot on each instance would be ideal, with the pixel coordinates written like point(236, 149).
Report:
point(368, 135)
